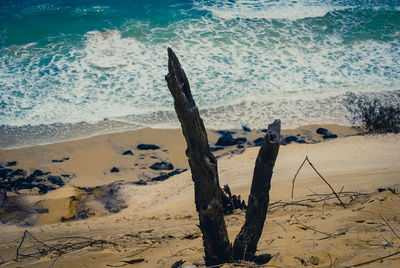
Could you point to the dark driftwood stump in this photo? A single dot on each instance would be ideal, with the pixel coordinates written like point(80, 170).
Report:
point(245, 245)
point(203, 165)
point(209, 197)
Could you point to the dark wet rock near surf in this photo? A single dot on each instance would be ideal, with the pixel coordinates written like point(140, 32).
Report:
point(246, 128)
point(163, 165)
point(147, 147)
point(322, 131)
point(129, 152)
point(228, 140)
point(288, 140)
point(329, 136)
point(223, 132)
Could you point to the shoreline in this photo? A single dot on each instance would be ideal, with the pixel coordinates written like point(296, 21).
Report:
point(115, 127)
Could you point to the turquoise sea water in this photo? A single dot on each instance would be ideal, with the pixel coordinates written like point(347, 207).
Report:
point(76, 68)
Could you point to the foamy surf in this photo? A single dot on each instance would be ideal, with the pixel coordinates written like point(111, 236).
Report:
point(247, 62)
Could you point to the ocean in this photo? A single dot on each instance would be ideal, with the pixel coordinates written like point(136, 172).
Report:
point(72, 69)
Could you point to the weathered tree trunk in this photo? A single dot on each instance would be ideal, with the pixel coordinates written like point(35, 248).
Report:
point(203, 166)
point(246, 242)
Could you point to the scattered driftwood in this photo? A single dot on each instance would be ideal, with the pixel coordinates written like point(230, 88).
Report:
point(294, 179)
point(208, 194)
point(315, 198)
point(59, 247)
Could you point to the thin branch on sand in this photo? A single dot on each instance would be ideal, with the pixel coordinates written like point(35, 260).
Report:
point(319, 174)
point(315, 230)
point(390, 226)
point(374, 260)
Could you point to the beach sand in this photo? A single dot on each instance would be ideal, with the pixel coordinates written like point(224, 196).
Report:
point(156, 224)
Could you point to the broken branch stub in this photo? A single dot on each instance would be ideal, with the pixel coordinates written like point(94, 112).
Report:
point(203, 166)
point(246, 242)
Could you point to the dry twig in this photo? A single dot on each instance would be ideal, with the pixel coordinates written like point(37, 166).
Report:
point(374, 260)
point(294, 179)
point(390, 226)
point(315, 230)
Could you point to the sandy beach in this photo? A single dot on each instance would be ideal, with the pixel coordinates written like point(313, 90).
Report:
point(126, 223)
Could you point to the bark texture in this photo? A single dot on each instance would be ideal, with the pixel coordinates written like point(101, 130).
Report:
point(245, 245)
point(203, 166)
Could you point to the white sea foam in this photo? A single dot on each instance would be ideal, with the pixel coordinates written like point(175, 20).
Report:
point(241, 71)
point(266, 9)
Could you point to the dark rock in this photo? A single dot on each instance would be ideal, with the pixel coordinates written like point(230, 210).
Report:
point(140, 182)
point(129, 152)
point(288, 140)
point(162, 166)
point(162, 177)
point(216, 148)
point(3, 197)
point(21, 184)
point(4, 173)
point(114, 170)
point(387, 189)
point(5, 185)
point(240, 146)
point(43, 189)
point(259, 141)
point(56, 180)
point(223, 132)
point(39, 173)
point(228, 140)
point(322, 131)
point(11, 164)
point(60, 160)
point(225, 140)
point(300, 141)
point(147, 147)
point(176, 172)
point(246, 128)
point(16, 172)
point(65, 175)
point(30, 178)
point(330, 136)
point(264, 130)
